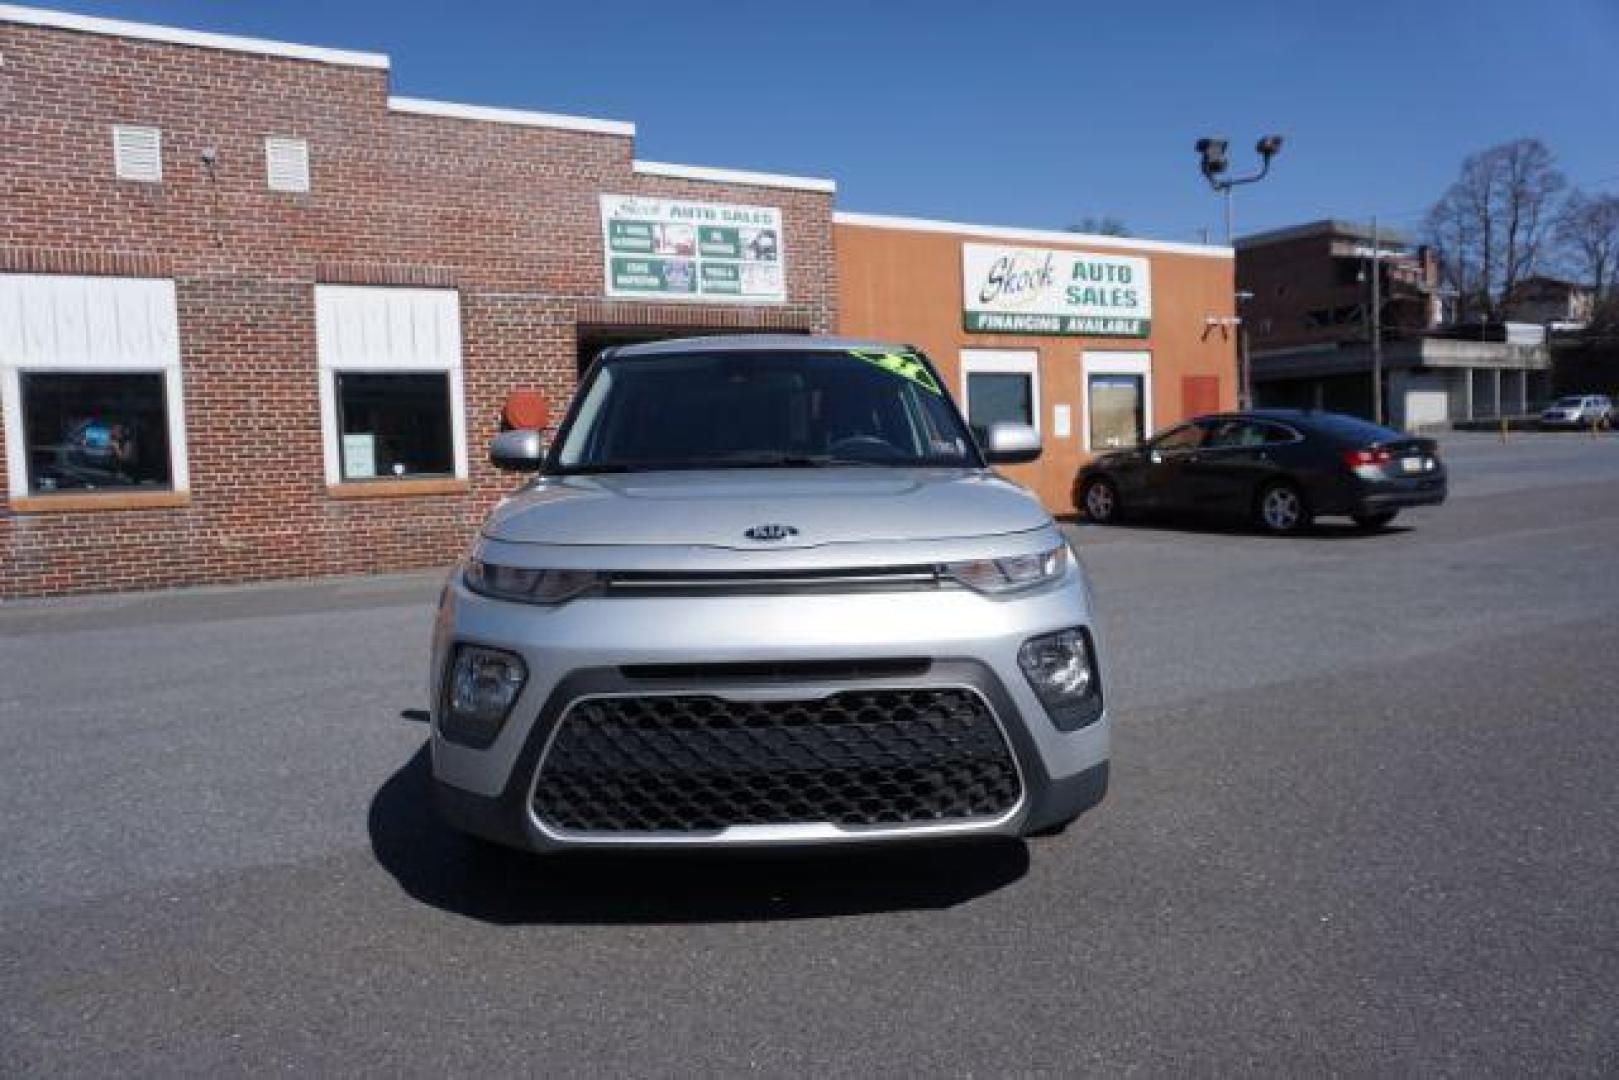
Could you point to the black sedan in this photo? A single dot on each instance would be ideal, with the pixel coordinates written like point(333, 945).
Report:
point(1278, 468)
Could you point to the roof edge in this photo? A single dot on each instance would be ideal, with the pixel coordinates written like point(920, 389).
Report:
point(1055, 236)
point(174, 35)
point(735, 176)
point(520, 117)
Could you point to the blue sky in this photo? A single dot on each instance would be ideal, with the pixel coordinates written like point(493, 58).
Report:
point(1019, 113)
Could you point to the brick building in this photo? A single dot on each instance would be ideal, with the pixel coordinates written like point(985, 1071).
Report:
point(259, 316)
point(163, 262)
point(1309, 321)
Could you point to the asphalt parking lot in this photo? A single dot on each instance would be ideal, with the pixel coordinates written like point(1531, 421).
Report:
point(1363, 821)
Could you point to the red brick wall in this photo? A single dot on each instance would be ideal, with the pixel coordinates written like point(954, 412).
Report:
point(507, 215)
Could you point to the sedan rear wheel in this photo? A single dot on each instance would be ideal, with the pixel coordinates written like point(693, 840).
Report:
point(1281, 509)
point(1100, 501)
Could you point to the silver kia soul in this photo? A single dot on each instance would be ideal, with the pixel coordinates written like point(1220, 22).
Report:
point(766, 591)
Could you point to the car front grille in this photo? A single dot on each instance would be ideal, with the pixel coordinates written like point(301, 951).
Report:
point(694, 764)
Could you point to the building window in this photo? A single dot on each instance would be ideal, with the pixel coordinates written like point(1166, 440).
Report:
point(286, 164)
point(95, 432)
point(1118, 399)
point(137, 153)
point(90, 384)
point(390, 383)
point(394, 425)
point(999, 387)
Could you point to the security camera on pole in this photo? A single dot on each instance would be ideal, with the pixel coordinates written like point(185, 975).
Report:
point(1214, 166)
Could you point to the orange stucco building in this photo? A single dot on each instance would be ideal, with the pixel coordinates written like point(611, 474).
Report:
point(1096, 340)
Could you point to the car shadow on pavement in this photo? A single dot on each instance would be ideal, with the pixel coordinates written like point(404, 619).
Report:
point(438, 866)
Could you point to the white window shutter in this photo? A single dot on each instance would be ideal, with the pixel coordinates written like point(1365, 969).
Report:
point(137, 153)
point(286, 163)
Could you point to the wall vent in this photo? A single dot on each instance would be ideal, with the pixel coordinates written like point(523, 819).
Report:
point(286, 163)
point(137, 153)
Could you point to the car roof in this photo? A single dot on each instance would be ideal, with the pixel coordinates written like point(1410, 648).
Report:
point(1266, 414)
point(750, 343)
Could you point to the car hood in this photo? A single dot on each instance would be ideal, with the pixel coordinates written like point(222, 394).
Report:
point(717, 508)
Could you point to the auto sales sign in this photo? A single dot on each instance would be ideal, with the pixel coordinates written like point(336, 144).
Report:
point(1042, 291)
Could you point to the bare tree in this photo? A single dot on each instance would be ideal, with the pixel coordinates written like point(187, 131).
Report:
point(1588, 232)
point(1107, 225)
point(1492, 225)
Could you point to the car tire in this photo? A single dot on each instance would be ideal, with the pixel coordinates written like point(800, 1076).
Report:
point(1281, 510)
point(1373, 522)
point(1099, 501)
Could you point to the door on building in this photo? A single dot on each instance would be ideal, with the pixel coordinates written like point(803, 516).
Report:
point(1200, 394)
point(1118, 399)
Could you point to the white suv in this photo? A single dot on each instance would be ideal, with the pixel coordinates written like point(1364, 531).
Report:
point(766, 591)
point(1578, 410)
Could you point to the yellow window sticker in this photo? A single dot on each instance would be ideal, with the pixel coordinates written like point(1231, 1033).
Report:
point(906, 365)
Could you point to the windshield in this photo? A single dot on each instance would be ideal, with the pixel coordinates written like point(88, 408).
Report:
point(752, 409)
point(1570, 402)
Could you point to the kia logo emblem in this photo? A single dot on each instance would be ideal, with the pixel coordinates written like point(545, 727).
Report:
point(770, 532)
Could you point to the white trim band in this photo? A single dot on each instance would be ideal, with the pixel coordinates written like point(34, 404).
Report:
point(1040, 236)
point(734, 176)
point(174, 35)
point(520, 117)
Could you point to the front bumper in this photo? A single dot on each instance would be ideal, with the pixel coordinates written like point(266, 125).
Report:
point(579, 650)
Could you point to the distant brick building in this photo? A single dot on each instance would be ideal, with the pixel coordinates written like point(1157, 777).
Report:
point(1308, 315)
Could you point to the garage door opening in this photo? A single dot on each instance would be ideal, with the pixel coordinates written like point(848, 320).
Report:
point(593, 339)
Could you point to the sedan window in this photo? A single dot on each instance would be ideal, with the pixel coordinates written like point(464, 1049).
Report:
point(1185, 437)
point(1236, 433)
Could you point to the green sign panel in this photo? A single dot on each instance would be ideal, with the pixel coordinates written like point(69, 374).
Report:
point(654, 275)
point(633, 236)
point(996, 322)
point(719, 243)
point(1008, 290)
point(666, 248)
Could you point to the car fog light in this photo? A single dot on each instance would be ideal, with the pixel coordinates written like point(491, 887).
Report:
point(1061, 668)
point(483, 687)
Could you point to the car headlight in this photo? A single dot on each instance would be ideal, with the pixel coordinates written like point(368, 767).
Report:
point(529, 586)
point(1061, 668)
point(480, 689)
point(1019, 572)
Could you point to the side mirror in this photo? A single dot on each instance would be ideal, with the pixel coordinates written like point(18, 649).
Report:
point(1011, 444)
point(518, 451)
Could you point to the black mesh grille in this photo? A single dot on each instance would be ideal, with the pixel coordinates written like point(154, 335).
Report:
point(691, 763)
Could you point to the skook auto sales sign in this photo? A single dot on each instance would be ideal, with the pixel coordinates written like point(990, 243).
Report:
point(1043, 291)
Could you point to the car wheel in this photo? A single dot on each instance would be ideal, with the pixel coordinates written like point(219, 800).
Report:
point(1370, 522)
point(1281, 509)
point(1099, 499)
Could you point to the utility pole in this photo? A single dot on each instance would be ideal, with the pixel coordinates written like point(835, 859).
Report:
point(1377, 327)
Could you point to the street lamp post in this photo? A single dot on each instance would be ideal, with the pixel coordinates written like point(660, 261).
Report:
point(1215, 167)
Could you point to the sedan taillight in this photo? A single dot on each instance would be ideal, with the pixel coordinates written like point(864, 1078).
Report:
point(1369, 458)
